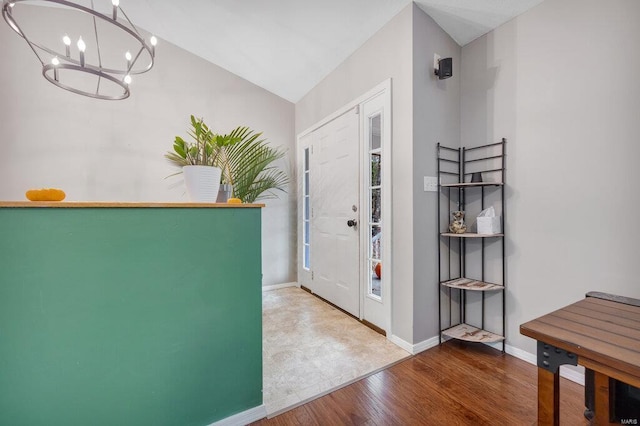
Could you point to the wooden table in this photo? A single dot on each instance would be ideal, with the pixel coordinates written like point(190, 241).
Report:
point(601, 333)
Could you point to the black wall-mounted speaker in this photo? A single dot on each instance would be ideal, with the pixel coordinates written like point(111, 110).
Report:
point(445, 68)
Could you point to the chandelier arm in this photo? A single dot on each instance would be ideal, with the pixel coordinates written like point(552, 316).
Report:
point(14, 25)
point(49, 67)
point(136, 57)
point(95, 31)
point(76, 62)
point(129, 21)
point(34, 50)
point(9, 19)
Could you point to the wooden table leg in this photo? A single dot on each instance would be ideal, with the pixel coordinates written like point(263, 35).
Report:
point(548, 397)
point(602, 399)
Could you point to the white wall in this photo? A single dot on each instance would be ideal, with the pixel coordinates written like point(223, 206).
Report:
point(388, 54)
point(561, 83)
point(113, 150)
point(436, 118)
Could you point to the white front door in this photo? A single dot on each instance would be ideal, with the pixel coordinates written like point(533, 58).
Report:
point(345, 175)
point(334, 192)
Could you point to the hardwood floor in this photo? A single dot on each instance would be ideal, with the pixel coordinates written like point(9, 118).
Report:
point(456, 383)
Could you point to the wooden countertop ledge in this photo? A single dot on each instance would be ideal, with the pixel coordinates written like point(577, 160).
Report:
point(116, 205)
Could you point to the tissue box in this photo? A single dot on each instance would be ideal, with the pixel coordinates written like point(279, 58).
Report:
point(488, 225)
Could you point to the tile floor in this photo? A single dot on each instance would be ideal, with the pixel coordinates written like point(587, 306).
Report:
point(310, 348)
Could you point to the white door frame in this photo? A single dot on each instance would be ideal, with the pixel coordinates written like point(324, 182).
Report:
point(384, 89)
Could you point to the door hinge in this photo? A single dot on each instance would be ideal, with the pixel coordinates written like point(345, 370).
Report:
point(312, 275)
point(357, 109)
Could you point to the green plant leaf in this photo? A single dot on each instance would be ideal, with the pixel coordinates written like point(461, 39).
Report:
point(246, 164)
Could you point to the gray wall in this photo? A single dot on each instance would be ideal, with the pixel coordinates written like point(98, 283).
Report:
point(388, 54)
point(561, 83)
point(113, 150)
point(436, 118)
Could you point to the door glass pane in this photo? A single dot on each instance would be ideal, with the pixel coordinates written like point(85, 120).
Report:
point(306, 208)
point(306, 256)
point(376, 237)
point(306, 232)
point(306, 183)
point(375, 284)
point(306, 159)
point(376, 203)
point(375, 169)
point(375, 132)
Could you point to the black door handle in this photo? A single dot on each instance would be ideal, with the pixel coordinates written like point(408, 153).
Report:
point(351, 223)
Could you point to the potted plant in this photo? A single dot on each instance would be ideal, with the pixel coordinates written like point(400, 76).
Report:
point(243, 160)
point(199, 160)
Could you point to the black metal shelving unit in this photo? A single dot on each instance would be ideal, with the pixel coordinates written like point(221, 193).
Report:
point(465, 289)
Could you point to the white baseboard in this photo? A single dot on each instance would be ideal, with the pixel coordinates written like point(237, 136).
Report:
point(279, 286)
point(520, 354)
point(251, 415)
point(567, 373)
point(414, 348)
point(426, 344)
point(402, 343)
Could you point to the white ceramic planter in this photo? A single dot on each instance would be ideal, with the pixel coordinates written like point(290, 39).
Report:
point(203, 183)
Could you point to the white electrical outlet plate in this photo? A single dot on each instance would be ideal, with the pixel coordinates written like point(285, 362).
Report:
point(430, 184)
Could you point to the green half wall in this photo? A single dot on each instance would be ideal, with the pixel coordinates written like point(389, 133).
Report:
point(129, 316)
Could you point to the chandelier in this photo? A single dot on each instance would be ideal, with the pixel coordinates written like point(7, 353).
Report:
point(91, 50)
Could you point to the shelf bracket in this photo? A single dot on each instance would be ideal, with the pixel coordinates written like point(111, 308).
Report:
point(551, 358)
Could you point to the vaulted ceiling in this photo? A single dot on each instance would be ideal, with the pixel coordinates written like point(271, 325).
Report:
point(289, 46)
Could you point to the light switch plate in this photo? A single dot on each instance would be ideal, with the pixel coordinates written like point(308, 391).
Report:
point(430, 184)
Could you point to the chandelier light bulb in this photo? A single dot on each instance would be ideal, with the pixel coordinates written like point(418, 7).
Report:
point(153, 41)
point(128, 55)
point(11, 4)
point(67, 45)
point(55, 63)
point(115, 3)
point(127, 79)
point(81, 48)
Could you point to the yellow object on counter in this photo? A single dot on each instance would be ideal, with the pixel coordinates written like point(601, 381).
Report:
point(45, 194)
point(234, 201)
